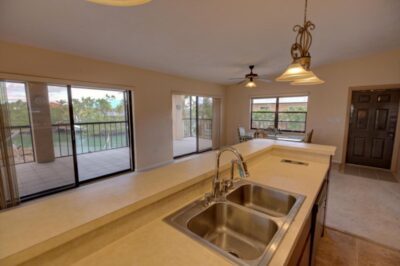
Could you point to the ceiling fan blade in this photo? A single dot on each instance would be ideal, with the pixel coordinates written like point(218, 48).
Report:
point(265, 80)
point(243, 81)
point(236, 78)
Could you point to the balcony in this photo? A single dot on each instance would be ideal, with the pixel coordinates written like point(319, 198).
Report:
point(188, 142)
point(102, 148)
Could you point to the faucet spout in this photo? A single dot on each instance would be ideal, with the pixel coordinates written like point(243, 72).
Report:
point(218, 185)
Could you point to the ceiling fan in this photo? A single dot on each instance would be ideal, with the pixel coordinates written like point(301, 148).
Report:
point(251, 77)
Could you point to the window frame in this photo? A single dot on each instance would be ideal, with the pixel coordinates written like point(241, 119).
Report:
point(277, 112)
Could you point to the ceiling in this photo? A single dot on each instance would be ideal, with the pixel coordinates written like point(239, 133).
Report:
point(211, 40)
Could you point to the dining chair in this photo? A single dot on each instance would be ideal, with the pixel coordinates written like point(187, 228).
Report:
point(243, 135)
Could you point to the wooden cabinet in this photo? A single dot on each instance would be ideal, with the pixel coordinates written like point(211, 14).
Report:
point(318, 220)
point(304, 252)
point(299, 253)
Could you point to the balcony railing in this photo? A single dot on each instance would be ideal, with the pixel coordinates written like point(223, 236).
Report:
point(89, 137)
point(205, 128)
point(21, 137)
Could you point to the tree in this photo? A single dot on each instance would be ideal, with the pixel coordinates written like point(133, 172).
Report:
point(19, 113)
point(59, 112)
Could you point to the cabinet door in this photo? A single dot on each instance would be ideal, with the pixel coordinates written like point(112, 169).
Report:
point(305, 258)
point(319, 216)
point(299, 253)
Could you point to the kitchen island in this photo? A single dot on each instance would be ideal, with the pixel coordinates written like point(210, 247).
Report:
point(121, 222)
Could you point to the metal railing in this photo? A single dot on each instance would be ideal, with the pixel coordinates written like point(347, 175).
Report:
point(89, 137)
point(205, 128)
point(21, 137)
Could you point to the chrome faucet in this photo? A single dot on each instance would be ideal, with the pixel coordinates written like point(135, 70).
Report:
point(220, 187)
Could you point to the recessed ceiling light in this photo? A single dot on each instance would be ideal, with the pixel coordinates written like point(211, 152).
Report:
point(121, 3)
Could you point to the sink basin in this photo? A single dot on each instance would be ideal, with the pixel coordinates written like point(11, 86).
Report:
point(270, 201)
point(242, 234)
point(246, 226)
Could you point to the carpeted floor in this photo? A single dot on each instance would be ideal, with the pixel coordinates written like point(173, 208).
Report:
point(365, 203)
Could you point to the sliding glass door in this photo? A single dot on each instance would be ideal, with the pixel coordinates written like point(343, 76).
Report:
point(102, 139)
point(41, 137)
point(63, 136)
point(204, 123)
point(192, 124)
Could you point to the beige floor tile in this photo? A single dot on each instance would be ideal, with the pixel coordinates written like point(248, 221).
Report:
point(386, 176)
point(373, 254)
point(336, 249)
point(351, 170)
point(368, 173)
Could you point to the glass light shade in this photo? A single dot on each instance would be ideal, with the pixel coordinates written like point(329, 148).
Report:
point(314, 80)
point(251, 84)
point(293, 72)
point(120, 2)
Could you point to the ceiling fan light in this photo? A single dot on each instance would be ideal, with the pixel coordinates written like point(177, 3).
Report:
point(314, 80)
point(120, 3)
point(251, 84)
point(293, 72)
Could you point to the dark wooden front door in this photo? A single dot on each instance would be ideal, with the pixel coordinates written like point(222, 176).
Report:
point(372, 127)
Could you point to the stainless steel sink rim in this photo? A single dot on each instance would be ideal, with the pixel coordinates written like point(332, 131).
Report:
point(181, 218)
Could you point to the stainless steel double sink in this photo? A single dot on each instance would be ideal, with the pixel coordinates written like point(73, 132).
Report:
point(245, 226)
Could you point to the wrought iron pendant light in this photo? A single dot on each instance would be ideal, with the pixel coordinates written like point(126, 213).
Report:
point(298, 72)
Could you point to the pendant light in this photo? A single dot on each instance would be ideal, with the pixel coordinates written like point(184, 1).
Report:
point(120, 3)
point(298, 71)
point(314, 80)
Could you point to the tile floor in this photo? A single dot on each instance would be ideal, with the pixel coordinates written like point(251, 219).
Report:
point(371, 173)
point(188, 145)
point(101, 163)
point(337, 248)
point(34, 177)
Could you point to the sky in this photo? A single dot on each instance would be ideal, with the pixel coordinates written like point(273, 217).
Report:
point(300, 99)
point(16, 91)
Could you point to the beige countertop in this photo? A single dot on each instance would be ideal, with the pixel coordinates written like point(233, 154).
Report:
point(40, 225)
point(158, 243)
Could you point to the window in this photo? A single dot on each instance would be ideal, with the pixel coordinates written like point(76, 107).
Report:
point(285, 113)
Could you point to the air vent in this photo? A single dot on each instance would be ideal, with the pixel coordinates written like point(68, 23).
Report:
point(294, 162)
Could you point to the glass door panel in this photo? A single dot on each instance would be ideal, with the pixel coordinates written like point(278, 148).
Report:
point(205, 115)
point(184, 125)
point(102, 135)
point(37, 112)
point(192, 124)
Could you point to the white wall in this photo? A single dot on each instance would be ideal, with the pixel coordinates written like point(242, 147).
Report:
point(152, 91)
point(327, 102)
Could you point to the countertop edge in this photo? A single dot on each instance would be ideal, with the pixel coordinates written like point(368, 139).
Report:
point(31, 251)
